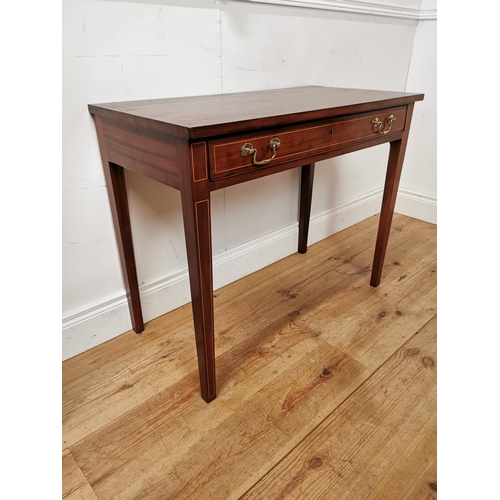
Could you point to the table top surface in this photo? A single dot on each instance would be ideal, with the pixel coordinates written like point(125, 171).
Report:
point(210, 115)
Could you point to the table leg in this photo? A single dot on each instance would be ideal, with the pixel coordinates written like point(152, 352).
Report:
point(393, 175)
point(195, 195)
point(306, 188)
point(115, 183)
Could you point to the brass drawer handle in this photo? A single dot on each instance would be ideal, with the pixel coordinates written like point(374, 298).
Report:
point(248, 149)
point(378, 126)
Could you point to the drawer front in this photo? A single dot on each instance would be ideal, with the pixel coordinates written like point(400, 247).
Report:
point(304, 141)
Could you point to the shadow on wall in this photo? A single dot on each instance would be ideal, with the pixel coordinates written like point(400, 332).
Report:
point(156, 219)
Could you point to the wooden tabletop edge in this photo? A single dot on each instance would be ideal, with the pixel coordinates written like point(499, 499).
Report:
point(248, 124)
point(142, 122)
point(251, 124)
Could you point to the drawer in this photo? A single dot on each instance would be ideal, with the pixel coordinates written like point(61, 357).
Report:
point(306, 140)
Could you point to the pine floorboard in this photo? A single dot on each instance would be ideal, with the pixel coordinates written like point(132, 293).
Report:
point(326, 386)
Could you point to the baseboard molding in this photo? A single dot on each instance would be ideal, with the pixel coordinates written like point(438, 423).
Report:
point(358, 7)
point(102, 322)
point(419, 206)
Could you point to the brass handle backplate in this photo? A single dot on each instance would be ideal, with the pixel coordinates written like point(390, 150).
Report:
point(378, 126)
point(248, 149)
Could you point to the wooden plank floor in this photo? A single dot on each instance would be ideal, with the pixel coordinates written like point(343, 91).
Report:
point(326, 386)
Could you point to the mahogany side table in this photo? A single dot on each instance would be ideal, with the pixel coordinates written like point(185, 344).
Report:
point(200, 144)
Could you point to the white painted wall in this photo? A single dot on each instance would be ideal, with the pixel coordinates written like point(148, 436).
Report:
point(419, 173)
point(121, 50)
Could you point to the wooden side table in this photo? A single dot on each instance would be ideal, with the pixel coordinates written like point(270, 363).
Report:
point(200, 144)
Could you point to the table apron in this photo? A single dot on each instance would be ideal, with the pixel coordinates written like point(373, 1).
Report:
point(243, 153)
point(325, 155)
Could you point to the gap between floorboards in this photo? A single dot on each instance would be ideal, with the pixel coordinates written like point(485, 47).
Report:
point(340, 404)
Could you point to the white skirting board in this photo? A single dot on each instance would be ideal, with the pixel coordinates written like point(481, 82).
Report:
point(111, 318)
point(419, 206)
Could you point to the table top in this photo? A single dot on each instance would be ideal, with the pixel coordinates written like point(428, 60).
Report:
point(207, 116)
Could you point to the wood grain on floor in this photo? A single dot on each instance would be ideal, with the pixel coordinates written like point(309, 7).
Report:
point(379, 443)
point(74, 484)
point(319, 392)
